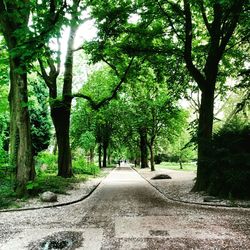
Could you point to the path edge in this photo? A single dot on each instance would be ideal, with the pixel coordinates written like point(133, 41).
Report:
point(92, 189)
point(189, 202)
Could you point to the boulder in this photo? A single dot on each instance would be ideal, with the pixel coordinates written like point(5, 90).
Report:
point(48, 197)
point(161, 177)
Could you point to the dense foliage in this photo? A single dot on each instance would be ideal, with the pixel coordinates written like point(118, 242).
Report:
point(230, 161)
point(39, 117)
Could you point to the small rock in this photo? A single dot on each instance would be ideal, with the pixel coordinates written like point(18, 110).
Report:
point(48, 197)
point(211, 199)
point(161, 177)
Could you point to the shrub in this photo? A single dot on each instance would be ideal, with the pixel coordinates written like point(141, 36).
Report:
point(81, 166)
point(7, 194)
point(230, 162)
point(49, 182)
point(46, 160)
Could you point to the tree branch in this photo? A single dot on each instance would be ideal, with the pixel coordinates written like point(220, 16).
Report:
point(170, 21)
point(44, 73)
point(110, 65)
point(236, 10)
point(197, 75)
point(97, 105)
point(53, 20)
point(204, 16)
point(58, 57)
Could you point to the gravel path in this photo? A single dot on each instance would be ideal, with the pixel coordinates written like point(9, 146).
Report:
point(125, 212)
point(178, 188)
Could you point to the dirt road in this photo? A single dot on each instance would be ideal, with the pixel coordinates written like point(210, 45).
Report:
point(125, 212)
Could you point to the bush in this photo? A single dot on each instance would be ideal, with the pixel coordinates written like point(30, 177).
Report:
point(47, 161)
point(80, 166)
point(230, 162)
point(49, 182)
point(7, 194)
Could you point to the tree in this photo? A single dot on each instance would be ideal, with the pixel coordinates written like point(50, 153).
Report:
point(61, 106)
point(39, 116)
point(13, 20)
point(102, 123)
point(24, 41)
point(199, 33)
point(82, 130)
point(220, 29)
point(153, 107)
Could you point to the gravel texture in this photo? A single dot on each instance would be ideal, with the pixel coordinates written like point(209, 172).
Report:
point(179, 187)
point(126, 212)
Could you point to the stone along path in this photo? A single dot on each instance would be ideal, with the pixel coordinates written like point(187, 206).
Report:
point(125, 212)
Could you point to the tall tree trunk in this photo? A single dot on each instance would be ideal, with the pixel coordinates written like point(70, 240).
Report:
point(143, 147)
point(14, 17)
point(60, 113)
point(55, 146)
point(100, 155)
point(20, 136)
point(152, 158)
point(205, 130)
point(180, 162)
point(105, 153)
point(91, 155)
point(109, 158)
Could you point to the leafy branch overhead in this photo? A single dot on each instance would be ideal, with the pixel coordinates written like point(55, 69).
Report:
point(96, 105)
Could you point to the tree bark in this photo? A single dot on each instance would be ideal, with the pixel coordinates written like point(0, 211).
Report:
point(20, 148)
point(205, 130)
point(55, 147)
point(20, 137)
point(143, 147)
point(152, 158)
point(100, 155)
point(60, 113)
point(91, 155)
point(105, 153)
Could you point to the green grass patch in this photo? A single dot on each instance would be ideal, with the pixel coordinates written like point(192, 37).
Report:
point(187, 166)
point(53, 183)
point(42, 183)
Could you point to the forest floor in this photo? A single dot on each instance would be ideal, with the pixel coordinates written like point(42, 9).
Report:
point(126, 212)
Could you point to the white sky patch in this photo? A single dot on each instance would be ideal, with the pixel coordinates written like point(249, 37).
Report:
point(86, 32)
point(134, 18)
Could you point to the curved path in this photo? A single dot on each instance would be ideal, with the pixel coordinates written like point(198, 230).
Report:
point(125, 212)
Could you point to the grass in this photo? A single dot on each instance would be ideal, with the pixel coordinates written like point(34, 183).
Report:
point(46, 179)
point(187, 166)
point(54, 183)
point(43, 182)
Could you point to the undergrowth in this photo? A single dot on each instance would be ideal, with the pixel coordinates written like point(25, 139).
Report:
point(46, 179)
